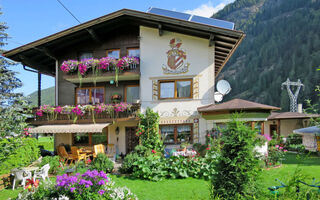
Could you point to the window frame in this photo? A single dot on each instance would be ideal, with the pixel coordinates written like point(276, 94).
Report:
point(175, 134)
point(175, 88)
point(132, 48)
point(90, 88)
point(125, 91)
point(90, 139)
point(108, 50)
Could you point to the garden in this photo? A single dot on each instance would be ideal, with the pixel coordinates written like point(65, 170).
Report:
point(226, 167)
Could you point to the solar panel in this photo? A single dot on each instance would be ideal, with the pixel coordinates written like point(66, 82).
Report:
point(212, 22)
point(192, 18)
point(169, 13)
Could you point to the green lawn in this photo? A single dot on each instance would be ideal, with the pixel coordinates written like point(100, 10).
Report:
point(197, 188)
point(46, 142)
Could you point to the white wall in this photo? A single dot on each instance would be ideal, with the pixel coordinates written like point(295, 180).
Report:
point(153, 56)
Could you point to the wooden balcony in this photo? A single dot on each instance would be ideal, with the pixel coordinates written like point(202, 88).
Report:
point(132, 73)
point(87, 118)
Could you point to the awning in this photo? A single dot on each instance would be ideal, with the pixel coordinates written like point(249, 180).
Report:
point(309, 130)
point(70, 128)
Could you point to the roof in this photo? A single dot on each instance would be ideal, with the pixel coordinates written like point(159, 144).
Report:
point(308, 130)
point(236, 104)
point(70, 128)
point(291, 115)
point(41, 54)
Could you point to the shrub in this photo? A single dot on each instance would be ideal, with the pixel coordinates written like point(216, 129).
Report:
point(127, 165)
point(17, 152)
point(54, 162)
point(236, 167)
point(102, 163)
point(275, 155)
point(296, 147)
point(200, 148)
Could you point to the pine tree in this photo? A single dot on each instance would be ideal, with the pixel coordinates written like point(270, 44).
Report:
point(13, 107)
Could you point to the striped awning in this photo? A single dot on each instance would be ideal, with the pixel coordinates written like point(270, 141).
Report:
point(70, 128)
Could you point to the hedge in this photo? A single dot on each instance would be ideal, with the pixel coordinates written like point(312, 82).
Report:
point(17, 152)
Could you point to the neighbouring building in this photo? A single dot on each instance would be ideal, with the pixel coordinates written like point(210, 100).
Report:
point(180, 55)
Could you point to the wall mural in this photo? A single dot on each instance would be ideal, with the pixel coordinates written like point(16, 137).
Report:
point(176, 63)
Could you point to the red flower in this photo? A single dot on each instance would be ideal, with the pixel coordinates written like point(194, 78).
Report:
point(153, 151)
point(207, 148)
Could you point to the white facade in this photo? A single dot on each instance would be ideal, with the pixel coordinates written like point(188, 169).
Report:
point(153, 56)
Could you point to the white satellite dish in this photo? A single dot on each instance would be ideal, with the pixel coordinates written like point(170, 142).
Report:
point(218, 96)
point(223, 87)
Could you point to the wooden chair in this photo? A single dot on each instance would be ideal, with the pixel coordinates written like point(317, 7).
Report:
point(64, 155)
point(76, 155)
point(111, 151)
point(99, 148)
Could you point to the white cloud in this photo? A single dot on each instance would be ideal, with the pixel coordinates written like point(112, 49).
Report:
point(207, 9)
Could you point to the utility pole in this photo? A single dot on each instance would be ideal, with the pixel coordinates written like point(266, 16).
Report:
point(293, 97)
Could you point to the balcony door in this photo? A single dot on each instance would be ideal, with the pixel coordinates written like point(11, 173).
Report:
point(132, 93)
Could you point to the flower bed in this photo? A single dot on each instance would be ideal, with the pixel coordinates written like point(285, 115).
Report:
point(90, 185)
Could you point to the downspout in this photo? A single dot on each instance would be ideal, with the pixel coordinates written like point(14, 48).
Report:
point(39, 83)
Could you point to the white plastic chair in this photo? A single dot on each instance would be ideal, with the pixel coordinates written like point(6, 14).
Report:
point(21, 175)
point(42, 173)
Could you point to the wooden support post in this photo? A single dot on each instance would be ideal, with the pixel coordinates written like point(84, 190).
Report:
point(262, 128)
point(278, 128)
point(39, 89)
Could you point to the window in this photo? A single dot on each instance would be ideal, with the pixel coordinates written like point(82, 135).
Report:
point(132, 93)
point(176, 134)
point(85, 55)
point(114, 53)
point(175, 89)
point(85, 139)
point(133, 52)
point(90, 95)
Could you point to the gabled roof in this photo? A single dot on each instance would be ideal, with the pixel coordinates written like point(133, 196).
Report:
point(291, 115)
point(41, 54)
point(236, 105)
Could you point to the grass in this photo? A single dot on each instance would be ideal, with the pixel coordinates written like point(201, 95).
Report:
point(191, 188)
point(46, 142)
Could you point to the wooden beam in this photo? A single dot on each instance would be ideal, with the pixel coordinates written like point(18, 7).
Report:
point(222, 49)
point(218, 60)
point(229, 39)
point(47, 52)
point(224, 44)
point(93, 35)
point(160, 29)
point(221, 53)
point(211, 40)
point(220, 57)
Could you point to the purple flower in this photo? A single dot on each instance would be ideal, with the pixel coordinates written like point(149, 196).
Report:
point(72, 189)
point(101, 192)
point(101, 182)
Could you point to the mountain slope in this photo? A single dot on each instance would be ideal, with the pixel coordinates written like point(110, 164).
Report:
point(47, 97)
point(282, 41)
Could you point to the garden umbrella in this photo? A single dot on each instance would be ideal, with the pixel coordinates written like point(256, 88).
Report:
point(309, 130)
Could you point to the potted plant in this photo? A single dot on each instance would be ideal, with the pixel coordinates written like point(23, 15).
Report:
point(116, 98)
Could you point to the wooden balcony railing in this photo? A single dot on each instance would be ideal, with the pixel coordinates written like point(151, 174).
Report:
point(86, 118)
point(130, 73)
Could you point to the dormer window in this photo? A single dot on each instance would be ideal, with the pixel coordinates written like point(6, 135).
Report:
point(113, 53)
point(133, 52)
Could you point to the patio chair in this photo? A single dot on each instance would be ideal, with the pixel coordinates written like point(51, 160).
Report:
point(64, 155)
point(21, 175)
point(76, 155)
point(99, 148)
point(42, 173)
point(111, 152)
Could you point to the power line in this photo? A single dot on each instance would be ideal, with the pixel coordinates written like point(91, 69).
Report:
point(69, 11)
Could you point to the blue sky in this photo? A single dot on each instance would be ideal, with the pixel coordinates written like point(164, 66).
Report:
point(29, 20)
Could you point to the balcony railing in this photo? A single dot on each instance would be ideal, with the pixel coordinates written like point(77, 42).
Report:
point(86, 117)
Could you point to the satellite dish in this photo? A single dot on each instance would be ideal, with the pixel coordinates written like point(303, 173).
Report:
point(218, 96)
point(223, 87)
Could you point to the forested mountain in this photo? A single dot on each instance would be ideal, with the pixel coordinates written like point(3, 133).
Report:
point(47, 97)
point(282, 41)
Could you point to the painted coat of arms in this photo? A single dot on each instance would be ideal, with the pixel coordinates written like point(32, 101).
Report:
point(176, 63)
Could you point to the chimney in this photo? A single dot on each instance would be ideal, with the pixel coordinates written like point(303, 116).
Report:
point(300, 108)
